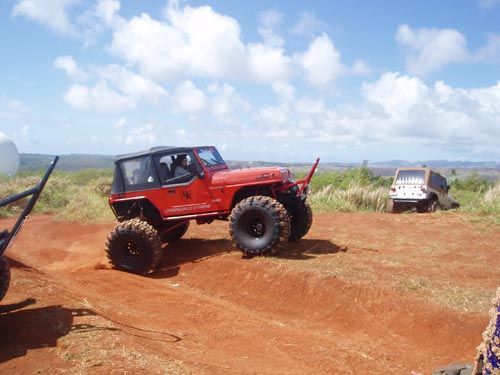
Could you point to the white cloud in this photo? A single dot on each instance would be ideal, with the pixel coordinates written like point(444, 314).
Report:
point(196, 42)
point(466, 119)
point(115, 88)
point(120, 123)
point(308, 25)
point(25, 135)
point(50, 13)
point(267, 64)
point(270, 20)
point(151, 45)
point(397, 111)
point(395, 93)
point(491, 51)
point(274, 117)
point(132, 85)
point(107, 10)
point(361, 68)
point(12, 109)
point(188, 98)
point(284, 90)
point(72, 18)
point(140, 137)
point(321, 62)
point(226, 102)
point(489, 4)
point(69, 65)
point(99, 97)
point(431, 49)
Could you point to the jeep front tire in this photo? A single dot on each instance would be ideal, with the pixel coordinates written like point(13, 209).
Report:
point(134, 246)
point(301, 221)
point(258, 224)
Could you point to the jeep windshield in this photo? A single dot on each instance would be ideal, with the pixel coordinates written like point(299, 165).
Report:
point(410, 177)
point(210, 157)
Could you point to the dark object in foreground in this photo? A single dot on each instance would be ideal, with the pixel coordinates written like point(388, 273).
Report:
point(6, 237)
point(488, 356)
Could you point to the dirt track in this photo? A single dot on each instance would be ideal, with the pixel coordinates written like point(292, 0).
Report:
point(360, 294)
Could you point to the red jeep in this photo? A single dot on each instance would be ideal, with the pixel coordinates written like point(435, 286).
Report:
point(154, 197)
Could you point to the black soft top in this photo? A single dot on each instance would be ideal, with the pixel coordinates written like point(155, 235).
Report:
point(152, 150)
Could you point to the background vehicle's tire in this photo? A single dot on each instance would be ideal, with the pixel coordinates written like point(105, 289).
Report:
point(390, 206)
point(174, 234)
point(433, 205)
point(393, 207)
point(301, 221)
point(134, 246)
point(259, 224)
point(4, 277)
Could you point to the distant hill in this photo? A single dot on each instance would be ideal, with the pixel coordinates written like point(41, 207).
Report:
point(75, 162)
point(439, 164)
point(71, 163)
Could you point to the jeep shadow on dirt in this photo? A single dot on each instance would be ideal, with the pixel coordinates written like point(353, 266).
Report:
point(421, 190)
point(154, 204)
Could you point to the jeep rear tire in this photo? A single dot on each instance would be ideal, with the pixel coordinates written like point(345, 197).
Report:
point(4, 277)
point(393, 207)
point(301, 221)
point(134, 246)
point(259, 224)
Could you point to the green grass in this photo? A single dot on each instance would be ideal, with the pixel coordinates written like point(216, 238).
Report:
point(82, 196)
point(76, 197)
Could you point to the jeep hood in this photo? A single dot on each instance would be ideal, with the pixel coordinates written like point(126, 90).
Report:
point(250, 176)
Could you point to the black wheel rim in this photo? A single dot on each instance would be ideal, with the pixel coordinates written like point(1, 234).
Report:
point(256, 227)
point(131, 250)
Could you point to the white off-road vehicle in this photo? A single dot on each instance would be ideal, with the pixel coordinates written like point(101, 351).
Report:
point(421, 190)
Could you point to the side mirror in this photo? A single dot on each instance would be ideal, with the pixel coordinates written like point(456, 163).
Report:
point(201, 174)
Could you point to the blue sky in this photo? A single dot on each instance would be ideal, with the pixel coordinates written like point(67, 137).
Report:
point(261, 80)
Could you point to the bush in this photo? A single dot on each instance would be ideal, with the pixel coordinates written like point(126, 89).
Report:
point(490, 202)
point(473, 182)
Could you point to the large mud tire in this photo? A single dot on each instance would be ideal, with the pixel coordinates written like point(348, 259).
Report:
point(4, 277)
point(134, 246)
point(301, 222)
point(258, 225)
point(175, 234)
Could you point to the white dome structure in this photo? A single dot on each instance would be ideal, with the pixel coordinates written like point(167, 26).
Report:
point(9, 156)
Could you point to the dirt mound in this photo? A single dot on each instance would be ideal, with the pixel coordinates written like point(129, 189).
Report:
point(350, 298)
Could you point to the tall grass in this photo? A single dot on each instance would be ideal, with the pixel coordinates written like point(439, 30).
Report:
point(78, 197)
point(354, 198)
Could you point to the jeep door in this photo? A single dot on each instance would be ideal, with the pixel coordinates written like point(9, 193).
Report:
point(186, 194)
point(440, 186)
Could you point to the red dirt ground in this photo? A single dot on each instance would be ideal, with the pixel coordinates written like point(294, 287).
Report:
point(360, 294)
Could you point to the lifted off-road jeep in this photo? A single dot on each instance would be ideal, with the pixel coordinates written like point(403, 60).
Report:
point(154, 197)
point(420, 189)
